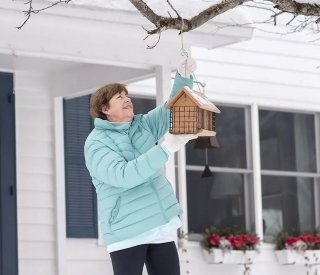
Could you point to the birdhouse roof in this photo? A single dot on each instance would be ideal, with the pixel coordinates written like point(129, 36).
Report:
point(198, 98)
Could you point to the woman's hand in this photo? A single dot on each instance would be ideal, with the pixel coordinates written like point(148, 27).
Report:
point(173, 143)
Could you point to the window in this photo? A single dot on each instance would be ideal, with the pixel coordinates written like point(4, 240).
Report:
point(221, 200)
point(81, 205)
point(287, 141)
point(288, 202)
point(215, 201)
point(288, 168)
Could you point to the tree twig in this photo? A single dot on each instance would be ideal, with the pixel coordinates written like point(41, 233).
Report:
point(31, 10)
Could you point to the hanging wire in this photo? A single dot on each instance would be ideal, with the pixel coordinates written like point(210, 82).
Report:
point(203, 84)
point(184, 52)
point(206, 149)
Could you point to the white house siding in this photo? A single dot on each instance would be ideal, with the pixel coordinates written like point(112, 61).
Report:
point(35, 175)
point(265, 70)
point(87, 257)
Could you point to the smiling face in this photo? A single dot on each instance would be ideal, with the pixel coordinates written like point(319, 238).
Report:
point(120, 108)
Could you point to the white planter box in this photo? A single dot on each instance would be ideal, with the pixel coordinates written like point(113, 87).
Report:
point(240, 257)
point(214, 256)
point(286, 256)
point(294, 257)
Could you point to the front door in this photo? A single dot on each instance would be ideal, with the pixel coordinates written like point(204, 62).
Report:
point(8, 204)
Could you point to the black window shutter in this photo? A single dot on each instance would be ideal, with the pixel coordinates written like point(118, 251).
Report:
point(81, 204)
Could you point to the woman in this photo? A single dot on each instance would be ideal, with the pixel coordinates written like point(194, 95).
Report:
point(138, 210)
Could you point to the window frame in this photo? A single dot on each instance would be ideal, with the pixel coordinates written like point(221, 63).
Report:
point(253, 167)
point(182, 168)
point(313, 175)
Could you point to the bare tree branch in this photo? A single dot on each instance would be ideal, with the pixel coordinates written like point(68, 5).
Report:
point(294, 7)
point(311, 11)
point(164, 23)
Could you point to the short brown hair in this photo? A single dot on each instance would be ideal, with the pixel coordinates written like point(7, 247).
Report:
point(102, 96)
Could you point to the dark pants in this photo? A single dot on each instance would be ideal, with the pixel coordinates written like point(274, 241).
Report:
point(160, 259)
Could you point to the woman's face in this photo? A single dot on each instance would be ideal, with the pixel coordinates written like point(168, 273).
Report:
point(120, 108)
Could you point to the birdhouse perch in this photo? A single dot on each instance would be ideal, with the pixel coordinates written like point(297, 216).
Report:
point(192, 112)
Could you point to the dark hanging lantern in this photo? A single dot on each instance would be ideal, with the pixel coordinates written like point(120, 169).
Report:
point(206, 143)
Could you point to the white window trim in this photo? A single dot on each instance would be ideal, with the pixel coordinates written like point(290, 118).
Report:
point(254, 154)
point(317, 181)
point(257, 197)
point(60, 186)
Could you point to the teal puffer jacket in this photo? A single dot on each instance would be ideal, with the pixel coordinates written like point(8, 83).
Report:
point(125, 165)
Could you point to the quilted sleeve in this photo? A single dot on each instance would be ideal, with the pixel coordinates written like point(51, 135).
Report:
point(158, 118)
point(111, 168)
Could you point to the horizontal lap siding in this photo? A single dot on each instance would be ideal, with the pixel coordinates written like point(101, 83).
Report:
point(261, 70)
point(87, 256)
point(35, 176)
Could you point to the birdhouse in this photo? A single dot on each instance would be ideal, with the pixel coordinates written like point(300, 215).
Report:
point(192, 112)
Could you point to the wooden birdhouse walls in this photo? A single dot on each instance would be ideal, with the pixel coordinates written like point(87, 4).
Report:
point(184, 116)
point(192, 113)
point(207, 122)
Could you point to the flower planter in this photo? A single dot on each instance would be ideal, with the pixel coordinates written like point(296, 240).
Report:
point(213, 256)
point(293, 257)
point(240, 257)
point(287, 256)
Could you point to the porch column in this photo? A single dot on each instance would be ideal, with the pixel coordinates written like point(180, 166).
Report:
point(163, 89)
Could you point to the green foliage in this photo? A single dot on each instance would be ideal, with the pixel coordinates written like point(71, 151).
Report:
point(282, 237)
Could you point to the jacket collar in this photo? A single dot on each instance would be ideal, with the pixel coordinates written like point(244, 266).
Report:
point(101, 124)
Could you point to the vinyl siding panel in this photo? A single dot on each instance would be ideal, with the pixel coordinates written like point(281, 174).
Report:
point(263, 70)
point(89, 267)
point(35, 175)
point(37, 266)
point(87, 257)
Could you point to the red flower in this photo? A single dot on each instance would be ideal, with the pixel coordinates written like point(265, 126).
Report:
point(242, 241)
point(290, 241)
point(309, 239)
point(214, 240)
point(229, 241)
